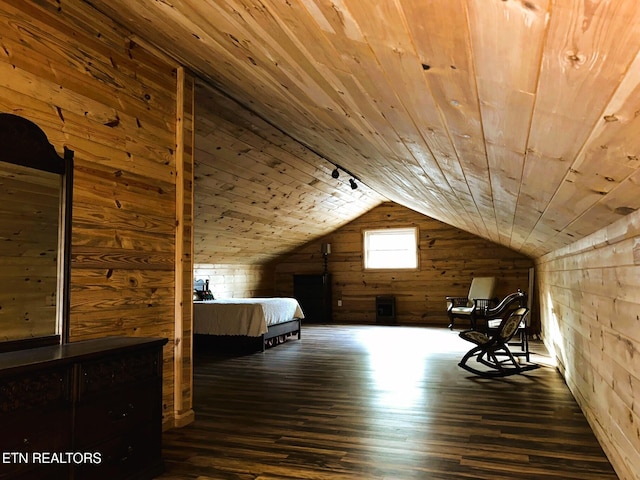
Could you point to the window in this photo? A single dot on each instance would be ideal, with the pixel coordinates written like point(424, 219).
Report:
point(391, 248)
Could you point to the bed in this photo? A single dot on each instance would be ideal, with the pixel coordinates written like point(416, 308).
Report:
point(270, 319)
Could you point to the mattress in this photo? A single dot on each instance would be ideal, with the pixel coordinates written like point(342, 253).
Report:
point(243, 316)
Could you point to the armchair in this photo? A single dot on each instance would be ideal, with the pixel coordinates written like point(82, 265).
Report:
point(479, 299)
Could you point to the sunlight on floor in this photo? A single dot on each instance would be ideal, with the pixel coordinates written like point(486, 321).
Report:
point(398, 360)
point(427, 340)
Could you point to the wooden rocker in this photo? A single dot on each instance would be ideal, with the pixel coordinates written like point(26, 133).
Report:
point(493, 351)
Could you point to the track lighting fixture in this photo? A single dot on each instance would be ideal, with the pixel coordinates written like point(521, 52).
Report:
point(335, 173)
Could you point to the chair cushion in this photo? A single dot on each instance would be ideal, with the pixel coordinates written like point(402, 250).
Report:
point(462, 310)
point(495, 323)
point(474, 336)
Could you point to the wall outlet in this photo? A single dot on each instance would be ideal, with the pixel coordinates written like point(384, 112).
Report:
point(339, 303)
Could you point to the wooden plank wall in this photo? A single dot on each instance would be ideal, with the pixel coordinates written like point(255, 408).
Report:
point(449, 259)
point(81, 78)
point(590, 298)
point(236, 281)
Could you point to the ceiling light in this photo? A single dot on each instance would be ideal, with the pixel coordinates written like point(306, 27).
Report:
point(335, 173)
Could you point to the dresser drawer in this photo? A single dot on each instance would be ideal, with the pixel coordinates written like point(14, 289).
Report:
point(24, 434)
point(35, 413)
point(118, 412)
point(35, 390)
point(112, 372)
point(126, 456)
point(36, 432)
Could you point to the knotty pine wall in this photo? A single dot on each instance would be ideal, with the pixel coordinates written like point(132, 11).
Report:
point(127, 114)
point(590, 305)
point(236, 281)
point(449, 259)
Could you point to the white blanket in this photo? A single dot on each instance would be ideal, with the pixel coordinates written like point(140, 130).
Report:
point(243, 316)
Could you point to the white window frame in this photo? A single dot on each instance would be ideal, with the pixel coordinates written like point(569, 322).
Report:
point(372, 258)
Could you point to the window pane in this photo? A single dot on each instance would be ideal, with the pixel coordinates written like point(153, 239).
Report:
point(391, 248)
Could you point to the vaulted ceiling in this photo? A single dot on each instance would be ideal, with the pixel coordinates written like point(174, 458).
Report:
point(516, 120)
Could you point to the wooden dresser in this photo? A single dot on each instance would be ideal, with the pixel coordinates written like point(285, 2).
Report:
point(84, 410)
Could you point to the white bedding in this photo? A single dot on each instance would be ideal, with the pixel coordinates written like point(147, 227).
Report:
point(243, 316)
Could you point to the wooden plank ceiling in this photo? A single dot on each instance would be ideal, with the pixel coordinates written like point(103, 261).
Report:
point(514, 120)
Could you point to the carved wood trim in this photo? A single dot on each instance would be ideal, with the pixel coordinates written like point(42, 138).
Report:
point(38, 389)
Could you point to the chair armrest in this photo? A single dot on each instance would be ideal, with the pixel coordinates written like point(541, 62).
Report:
point(482, 305)
point(456, 302)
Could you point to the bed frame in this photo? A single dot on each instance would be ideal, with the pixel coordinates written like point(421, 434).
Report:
point(281, 330)
point(275, 335)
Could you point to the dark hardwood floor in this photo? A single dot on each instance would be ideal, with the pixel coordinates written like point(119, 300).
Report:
point(376, 402)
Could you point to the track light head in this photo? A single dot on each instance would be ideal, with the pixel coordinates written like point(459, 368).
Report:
point(335, 173)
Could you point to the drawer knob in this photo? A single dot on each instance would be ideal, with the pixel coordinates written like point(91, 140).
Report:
point(121, 415)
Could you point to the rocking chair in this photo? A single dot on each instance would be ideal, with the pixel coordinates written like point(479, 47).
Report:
point(493, 315)
point(488, 349)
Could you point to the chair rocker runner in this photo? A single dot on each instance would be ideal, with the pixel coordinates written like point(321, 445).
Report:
point(493, 351)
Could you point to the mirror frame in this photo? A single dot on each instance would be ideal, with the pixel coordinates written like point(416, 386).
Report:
point(23, 143)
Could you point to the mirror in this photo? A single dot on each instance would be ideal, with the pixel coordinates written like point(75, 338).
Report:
point(35, 220)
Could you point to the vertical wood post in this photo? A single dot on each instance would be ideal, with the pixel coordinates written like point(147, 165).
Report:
point(183, 412)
